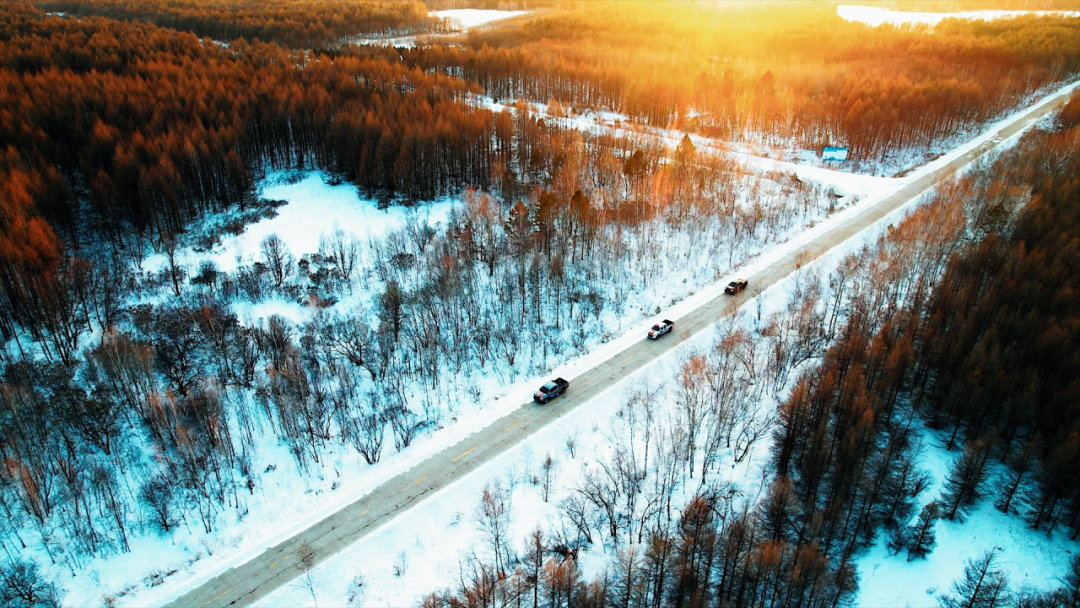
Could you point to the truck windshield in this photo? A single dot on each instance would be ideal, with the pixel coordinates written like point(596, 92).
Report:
point(547, 387)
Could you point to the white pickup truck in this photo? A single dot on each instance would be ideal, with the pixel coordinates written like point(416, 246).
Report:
point(661, 328)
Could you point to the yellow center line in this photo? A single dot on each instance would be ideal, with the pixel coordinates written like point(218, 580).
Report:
point(628, 358)
point(280, 560)
point(422, 478)
point(506, 429)
point(219, 595)
point(365, 511)
point(463, 454)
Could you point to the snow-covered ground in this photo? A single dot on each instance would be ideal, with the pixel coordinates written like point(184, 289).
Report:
point(458, 19)
point(433, 537)
point(877, 16)
point(420, 551)
point(1027, 557)
point(472, 17)
point(344, 477)
point(314, 208)
point(802, 165)
point(847, 176)
point(286, 502)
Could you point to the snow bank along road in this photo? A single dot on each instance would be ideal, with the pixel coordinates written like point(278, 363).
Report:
point(276, 566)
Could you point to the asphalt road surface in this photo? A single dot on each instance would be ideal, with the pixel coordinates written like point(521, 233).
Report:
point(276, 566)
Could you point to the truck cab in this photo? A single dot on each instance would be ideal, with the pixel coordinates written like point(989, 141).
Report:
point(735, 286)
point(551, 390)
point(661, 328)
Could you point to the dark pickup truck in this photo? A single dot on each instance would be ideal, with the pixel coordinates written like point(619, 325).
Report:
point(551, 390)
point(660, 329)
point(735, 286)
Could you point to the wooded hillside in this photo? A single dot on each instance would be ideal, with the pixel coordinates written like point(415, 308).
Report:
point(116, 129)
point(770, 72)
point(961, 319)
point(293, 23)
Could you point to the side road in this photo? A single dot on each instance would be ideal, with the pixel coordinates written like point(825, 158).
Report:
point(273, 568)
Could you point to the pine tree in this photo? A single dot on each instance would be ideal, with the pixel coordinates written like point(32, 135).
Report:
point(778, 510)
point(964, 483)
point(627, 585)
point(981, 587)
point(1020, 464)
point(1070, 591)
point(1030, 597)
point(921, 537)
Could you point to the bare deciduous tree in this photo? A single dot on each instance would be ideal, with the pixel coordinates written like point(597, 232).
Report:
point(22, 585)
point(357, 595)
point(547, 476)
point(493, 518)
point(277, 257)
point(156, 493)
point(693, 398)
point(342, 249)
point(169, 246)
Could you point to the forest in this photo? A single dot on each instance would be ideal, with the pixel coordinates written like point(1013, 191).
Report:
point(914, 333)
point(293, 23)
point(134, 401)
point(150, 128)
point(768, 73)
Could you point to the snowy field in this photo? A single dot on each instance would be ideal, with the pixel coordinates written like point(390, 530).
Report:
point(878, 16)
point(344, 477)
point(430, 535)
point(422, 550)
point(314, 208)
point(804, 165)
point(458, 19)
point(472, 17)
point(1028, 557)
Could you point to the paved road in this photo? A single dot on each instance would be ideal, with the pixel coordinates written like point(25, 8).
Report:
point(276, 566)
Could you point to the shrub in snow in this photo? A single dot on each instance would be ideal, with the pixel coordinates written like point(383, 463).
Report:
point(356, 594)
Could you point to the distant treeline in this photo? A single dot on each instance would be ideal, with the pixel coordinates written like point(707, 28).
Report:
point(770, 72)
point(959, 6)
point(294, 23)
point(123, 127)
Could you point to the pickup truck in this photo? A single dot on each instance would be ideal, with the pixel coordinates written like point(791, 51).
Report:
point(735, 287)
point(660, 329)
point(551, 390)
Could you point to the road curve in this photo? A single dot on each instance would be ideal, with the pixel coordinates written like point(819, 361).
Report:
point(276, 566)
